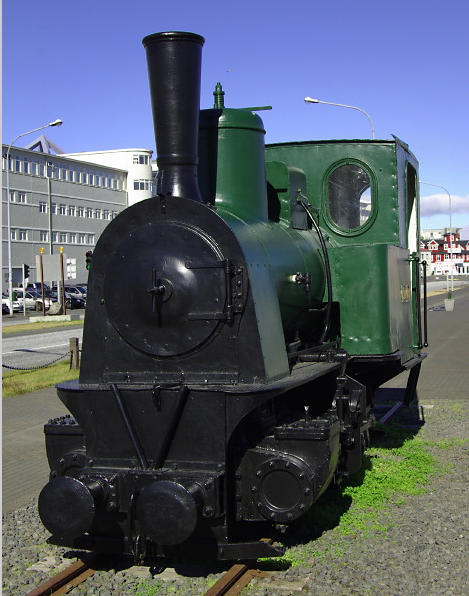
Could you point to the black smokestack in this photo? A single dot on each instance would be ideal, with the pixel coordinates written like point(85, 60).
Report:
point(174, 65)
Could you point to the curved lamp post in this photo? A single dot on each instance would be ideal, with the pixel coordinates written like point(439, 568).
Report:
point(341, 105)
point(450, 227)
point(10, 268)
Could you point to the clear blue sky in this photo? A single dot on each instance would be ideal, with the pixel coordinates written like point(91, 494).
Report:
point(403, 62)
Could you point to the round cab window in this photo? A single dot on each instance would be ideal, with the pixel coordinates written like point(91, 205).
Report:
point(350, 200)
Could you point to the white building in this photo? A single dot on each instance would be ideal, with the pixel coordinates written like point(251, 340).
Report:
point(137, 163)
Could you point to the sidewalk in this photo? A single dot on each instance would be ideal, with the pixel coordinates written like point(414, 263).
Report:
point(24, 465)
point(444, 373)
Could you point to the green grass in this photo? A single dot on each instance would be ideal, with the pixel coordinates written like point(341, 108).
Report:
point(17, 382)
point(145, 588)
point(38, 326)
point(398, 468)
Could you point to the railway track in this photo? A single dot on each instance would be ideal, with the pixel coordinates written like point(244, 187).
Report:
point(74, 575)
point(231, 583)
point(234, 580)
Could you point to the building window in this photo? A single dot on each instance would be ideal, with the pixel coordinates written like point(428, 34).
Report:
point(81, 211)
point(62, 210)
point(25, 165)
point(141, 159)
point(90, 179)
point(54, 208)
point(90, 239)
point(106, 214)
point(22, 197)
point(43, 236)
point(89, 212)
point(62, 237)
point(142, 184)
point(81, 239)
point(42, 207)
point(13, 234)
point(73, 238)
point(97, 213)
point(23, 235)
point(71, 210)
point(54, 236)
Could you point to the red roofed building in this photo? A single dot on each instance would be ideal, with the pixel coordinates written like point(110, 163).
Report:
point(445, 256)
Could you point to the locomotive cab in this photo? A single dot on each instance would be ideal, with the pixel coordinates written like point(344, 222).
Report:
point(366, 196)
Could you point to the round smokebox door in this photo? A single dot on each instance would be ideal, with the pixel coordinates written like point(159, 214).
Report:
point(165, 288)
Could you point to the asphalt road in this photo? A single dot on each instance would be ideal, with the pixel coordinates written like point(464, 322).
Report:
point(38, 349)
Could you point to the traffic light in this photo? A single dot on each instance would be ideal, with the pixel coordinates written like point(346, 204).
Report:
point(89, 255)
point(25, 271)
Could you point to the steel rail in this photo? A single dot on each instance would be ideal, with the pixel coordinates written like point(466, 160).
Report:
point(236, 578)
point(69, 578)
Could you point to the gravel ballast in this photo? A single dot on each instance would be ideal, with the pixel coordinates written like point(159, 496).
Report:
point(420, 548)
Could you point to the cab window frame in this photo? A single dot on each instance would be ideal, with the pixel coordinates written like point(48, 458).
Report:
point(373, 189)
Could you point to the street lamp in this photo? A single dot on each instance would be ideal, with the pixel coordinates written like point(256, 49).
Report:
point(450, 227)
point(341, 105)
point(10, 268)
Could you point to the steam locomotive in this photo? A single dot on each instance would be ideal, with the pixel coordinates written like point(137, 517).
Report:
point(272, 290)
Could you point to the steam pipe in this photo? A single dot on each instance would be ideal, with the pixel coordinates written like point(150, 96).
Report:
point(174, 69)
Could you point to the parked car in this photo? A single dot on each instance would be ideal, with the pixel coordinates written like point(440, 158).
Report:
point(17, 307)
point(75, 291)
point(71, 301)
point(36, 286)
point(33, 300)
point(83, 290)
point(75, 302)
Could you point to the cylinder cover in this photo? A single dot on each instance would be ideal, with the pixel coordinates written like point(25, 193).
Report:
point(284, 488)
point(67, 506)
point(167, 512)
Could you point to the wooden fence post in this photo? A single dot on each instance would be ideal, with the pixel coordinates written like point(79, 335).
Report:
point(74, 353)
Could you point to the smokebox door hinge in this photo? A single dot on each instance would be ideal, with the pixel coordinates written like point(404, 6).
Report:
point(234, 290)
